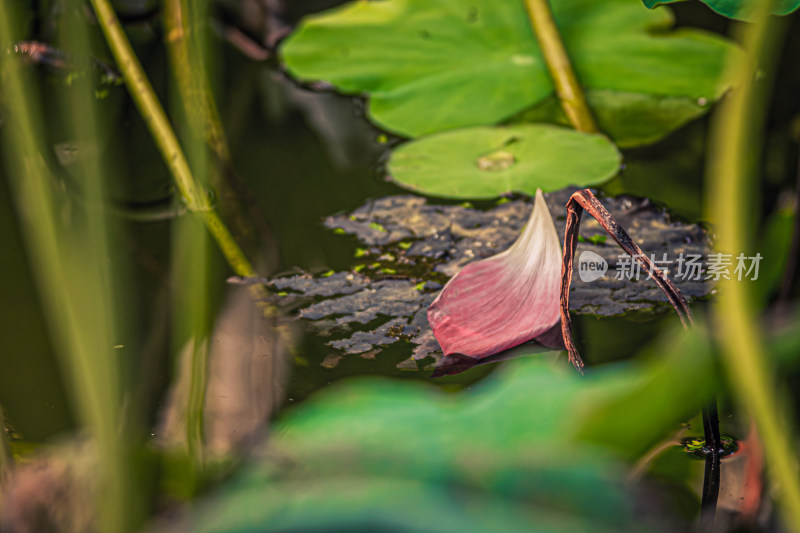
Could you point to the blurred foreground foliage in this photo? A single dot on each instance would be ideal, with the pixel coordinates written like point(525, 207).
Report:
point(535, 447)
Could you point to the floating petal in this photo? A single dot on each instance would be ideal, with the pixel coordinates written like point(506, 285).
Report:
point(505, 300)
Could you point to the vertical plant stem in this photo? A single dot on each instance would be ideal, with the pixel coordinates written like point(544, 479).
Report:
point(72, 260)
point(734, 142)
point(185, 22)
point(193, 194)
point(191, 262)
point(186, 55)
point(585, 200)
point(102, 308)
point(192, 323)
point(195, 410)
point(711, 478)
point(555, 56)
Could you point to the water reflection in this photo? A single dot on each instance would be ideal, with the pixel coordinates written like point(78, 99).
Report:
point(248, 368)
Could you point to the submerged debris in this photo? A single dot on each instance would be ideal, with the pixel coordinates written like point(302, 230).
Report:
point(412, 247)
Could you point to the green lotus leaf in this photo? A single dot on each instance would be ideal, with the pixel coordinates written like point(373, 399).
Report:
point(619, 115)
point(486, 162)
point(434, 65)
point(738, 9)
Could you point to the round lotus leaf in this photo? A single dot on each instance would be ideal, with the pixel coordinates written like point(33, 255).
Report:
point(486, 162)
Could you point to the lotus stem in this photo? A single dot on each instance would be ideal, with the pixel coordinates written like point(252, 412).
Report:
point(585, 200)
point(75, 276)
point(192, 77)
point(711, 477)
point(735, 137)
point(193, 194)
point(569, 91)
point(183, 20)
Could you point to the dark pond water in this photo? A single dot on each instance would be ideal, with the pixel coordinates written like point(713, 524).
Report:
point(303, 156)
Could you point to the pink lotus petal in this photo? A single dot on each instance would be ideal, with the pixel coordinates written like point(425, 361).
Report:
point(507, 299)
point(548, 341)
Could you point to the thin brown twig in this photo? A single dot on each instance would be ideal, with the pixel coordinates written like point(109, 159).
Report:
point(585, 200)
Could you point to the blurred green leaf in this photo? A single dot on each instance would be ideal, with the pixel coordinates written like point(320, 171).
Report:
point(433, 65)
point(680, 377)
point(533, 448)
point(737, 9)
point(488, 162)
point(352, 504)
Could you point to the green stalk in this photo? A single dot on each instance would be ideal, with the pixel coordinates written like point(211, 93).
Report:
point(735, 138)
point(192, 328)
point(185, 24)
point(193, 320)
point(102, 303)
point(195, 409)
point(186, 55)
point(557, 60)
point(191, 260)
point(193, 194)
point(72, 261)
point(196, 105)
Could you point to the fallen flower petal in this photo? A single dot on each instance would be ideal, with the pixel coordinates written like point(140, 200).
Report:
point(546, 342)
point(505, 300)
